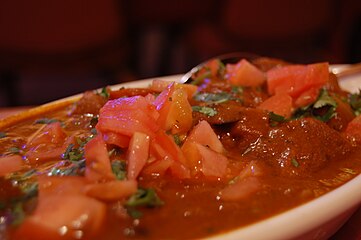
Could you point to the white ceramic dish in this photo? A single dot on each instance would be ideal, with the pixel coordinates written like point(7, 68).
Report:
point(318, 219)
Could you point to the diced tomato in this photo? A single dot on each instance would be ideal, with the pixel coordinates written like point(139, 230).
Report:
point(175, 112)
point(50, 143)
point(128, 115)
point(280, 103)
point(203, 134)
point(213, 164)
point(50, 134)
point(158, 167)
point(60, 185)
point(240, 189)
point(192, 156)
point(296, 79)
point(116, 139)
point(246, 74)
point(164, 96)
point(97, 161)
point(111, 191)
point(11, 163)
point(253, 169)
point(307, 97)
point(344, 115)
point(164, 146)
point(168, 155)
point(353, 130)
point(137, 154)
point(179, 170)
point(38, 155)
point(63, 217)
point(159, 85)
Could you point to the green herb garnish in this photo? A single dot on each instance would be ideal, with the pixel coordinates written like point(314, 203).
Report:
point(205, 110)
point(73, 153)
point(45, 120)
point(295, 163)
point(144, 197)
point(2, 134)
point(104, 93)
point(75, 168)
point(119, 169)
point(15, 150)
point(275, 119)
point(212, 98)
point(323, 109)
point(177, 139)
point(354, 100)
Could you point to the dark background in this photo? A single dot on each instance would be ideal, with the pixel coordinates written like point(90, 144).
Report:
point(50, 49)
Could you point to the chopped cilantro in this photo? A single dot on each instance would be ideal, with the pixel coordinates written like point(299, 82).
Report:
point(17, 214)
point(2, 134)
point(72, 153)
point(213, 97)
point(199, 79)
point(134, 213)
point(324, 100)
point(237, 90)
point(354, 100)
point(205, 110)
point(323, 109)
point(177, 139)
point(74, 169)
point(119, 169)
point(294, 162)
point(144, 197)
point(104, 93)
point(45, 120)
point(15, 150)
point(275, 119)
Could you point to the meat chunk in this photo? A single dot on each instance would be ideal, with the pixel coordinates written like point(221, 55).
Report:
point(300, 147)
point(89, 103)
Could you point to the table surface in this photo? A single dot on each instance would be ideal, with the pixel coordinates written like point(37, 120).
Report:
point(351, 230)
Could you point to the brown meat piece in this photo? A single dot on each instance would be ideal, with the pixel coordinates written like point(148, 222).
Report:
point(89, 103)
point(300, 147)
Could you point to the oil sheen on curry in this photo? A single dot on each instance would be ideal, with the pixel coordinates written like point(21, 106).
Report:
point(238, 144)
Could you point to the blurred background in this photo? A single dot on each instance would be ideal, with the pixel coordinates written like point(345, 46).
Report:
point(50, 49)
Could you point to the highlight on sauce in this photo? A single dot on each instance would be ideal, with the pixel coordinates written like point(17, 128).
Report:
point(240, 143)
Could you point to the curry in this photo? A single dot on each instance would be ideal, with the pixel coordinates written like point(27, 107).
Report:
point(238, 144)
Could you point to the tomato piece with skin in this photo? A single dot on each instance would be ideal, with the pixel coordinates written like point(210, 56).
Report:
point(51, 133)
point(168, 155)
point(241, 189)
point(296, 79)
point(245, 74)
point(111, 191)
point(203, 134)
point(116, 139)
point(137, 154)
point(128, 115)
point(160, 85)
point(353, 130)
point(307, 97)
point(97, 160)
point(175, 113)
point(60, 185)
point(10, 164)
point(63, 217)
point(213, 164)
point(280, 103)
